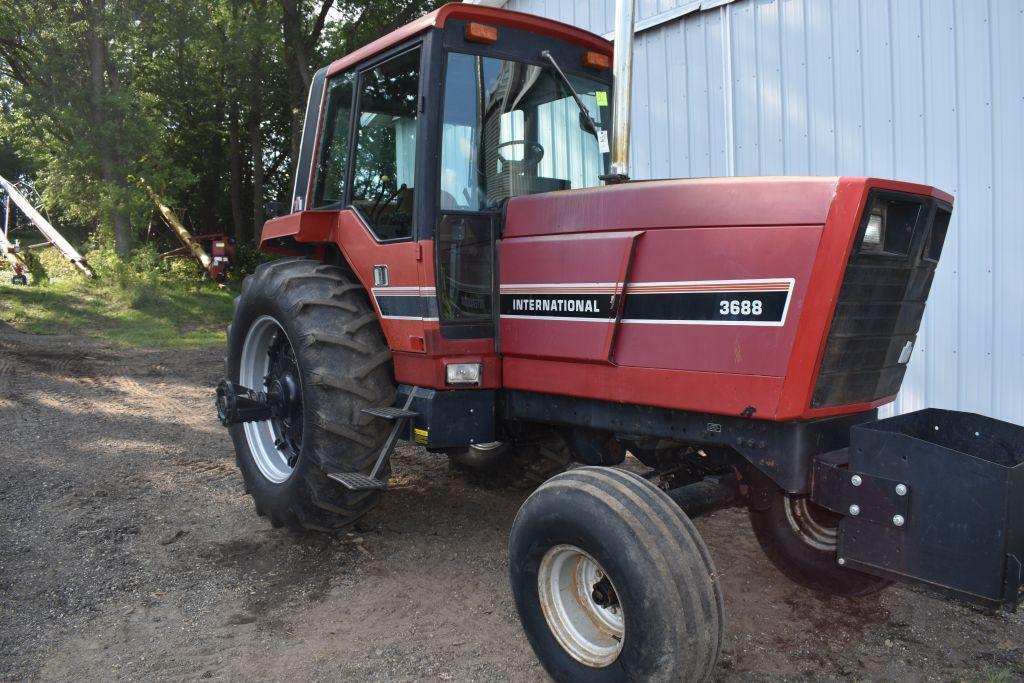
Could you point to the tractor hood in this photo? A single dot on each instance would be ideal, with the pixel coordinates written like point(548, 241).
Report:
point(719, 292)
point(688, 203)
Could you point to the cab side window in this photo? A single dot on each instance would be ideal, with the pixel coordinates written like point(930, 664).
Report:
point(385, 157)
point(332, 166)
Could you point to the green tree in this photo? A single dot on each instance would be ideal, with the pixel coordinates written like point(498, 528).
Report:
point(202, 98)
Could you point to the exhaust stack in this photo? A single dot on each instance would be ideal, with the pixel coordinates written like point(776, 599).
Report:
point(622, 75)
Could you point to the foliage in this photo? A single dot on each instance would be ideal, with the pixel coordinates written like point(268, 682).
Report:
point(247, 257)
point(138, 300)
point(149, 317)
point(202, 98)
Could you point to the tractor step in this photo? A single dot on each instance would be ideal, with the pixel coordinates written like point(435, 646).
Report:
point(390, 413)
point(357, 481)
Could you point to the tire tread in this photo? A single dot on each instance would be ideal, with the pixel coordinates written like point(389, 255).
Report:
point(346, 366)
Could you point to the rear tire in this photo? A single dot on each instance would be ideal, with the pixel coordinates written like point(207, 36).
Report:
point(612, 582)
point(800, 539)
point(344, 365)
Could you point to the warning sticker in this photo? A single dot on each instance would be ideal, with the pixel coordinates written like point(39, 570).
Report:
point(420, 435)
point(602, 98)
point(602, 141)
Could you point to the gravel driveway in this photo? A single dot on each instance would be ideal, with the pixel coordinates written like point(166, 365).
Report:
point(128, 551)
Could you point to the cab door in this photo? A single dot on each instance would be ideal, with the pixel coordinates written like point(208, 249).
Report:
point(366, 169)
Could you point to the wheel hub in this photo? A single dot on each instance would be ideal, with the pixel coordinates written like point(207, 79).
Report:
point(604, 594)
point(282, 393)
point(268, 362)
point(581, 606)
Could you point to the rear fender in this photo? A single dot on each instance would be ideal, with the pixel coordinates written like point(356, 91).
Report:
point(304, 233)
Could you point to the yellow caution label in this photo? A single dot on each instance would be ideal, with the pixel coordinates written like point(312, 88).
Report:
point(420, 435)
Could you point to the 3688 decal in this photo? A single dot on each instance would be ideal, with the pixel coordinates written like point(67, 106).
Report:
point(741, 307)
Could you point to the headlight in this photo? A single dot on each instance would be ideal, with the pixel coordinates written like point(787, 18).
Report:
point(873, 232)
point(890, 226)
point(463, 374)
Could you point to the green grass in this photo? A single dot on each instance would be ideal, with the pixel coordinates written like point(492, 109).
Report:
point(150, 315)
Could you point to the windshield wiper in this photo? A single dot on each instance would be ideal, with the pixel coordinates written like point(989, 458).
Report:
point(592, 125)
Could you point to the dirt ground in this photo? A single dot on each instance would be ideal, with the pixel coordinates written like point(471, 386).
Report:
point(128, 551)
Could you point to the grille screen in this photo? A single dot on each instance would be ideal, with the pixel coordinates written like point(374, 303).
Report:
point(880, 306)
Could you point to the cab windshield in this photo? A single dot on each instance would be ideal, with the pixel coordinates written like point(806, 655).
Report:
point(512, 128)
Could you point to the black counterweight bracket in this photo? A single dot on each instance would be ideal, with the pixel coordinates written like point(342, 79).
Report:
point(237, 404)
point(857, 494)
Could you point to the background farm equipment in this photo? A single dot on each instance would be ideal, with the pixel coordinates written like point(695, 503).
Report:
point(220, 250)
point(215, 252)
point(13, 195)
point(12, 252)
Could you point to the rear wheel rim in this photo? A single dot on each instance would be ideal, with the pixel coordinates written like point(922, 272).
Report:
point(268, 364)
point(812, 524)
point(581, 606)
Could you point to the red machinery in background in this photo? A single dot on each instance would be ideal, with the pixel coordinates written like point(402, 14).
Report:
point(220, 248)
point(215, 252)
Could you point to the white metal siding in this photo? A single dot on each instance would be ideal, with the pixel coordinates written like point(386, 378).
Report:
point(930, 91)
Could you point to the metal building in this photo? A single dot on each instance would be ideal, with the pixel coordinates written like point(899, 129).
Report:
point(929, 91)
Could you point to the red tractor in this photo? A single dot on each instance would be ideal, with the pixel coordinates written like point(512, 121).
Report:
point(471, 270)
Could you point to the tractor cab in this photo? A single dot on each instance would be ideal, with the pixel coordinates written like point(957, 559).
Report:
point(413, 147)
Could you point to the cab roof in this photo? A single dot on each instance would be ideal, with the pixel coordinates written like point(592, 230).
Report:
point(490, 15)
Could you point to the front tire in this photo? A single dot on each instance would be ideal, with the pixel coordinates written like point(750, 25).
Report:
point(310, 328)
point(612, 581)
point(800, 539)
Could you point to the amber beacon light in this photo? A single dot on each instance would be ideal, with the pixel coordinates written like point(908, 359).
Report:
point(596, 60)
point(481, 33)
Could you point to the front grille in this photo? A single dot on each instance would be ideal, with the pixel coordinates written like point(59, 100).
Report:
point(879, 311)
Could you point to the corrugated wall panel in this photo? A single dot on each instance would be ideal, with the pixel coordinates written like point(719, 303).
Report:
point(922, 90)
point(1007, 28)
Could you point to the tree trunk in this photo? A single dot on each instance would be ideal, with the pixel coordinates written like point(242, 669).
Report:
point(235, 160)
point(256, 142)
point(99, 68)
point(298, 74)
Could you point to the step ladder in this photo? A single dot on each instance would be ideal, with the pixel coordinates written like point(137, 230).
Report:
point(357, 481)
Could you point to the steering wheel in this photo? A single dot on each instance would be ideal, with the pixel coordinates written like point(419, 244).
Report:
point(533, 152)
point(384, 204)
point(382, 182)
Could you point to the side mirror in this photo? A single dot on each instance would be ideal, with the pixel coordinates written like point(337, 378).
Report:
point(274, 209)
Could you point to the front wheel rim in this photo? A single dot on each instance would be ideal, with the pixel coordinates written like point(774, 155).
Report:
point(268, 364)
point(581, 606)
